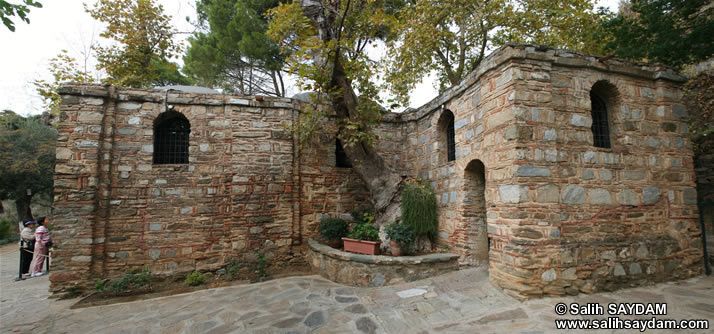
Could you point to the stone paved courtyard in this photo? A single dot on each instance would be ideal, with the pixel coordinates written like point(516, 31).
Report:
point(458, 302)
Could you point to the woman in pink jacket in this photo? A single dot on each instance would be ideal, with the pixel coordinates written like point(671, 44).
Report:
point(42, 237)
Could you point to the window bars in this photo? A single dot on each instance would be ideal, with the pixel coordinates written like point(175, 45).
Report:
point(171, 139)
point(450, 140)
point(600, 127)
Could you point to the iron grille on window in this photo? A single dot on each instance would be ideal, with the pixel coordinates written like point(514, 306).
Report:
point(341, 159)
point(171, 139)
point(450, 141)
point(601, 129)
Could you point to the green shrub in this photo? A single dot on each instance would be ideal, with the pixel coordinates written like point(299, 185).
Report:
point(134, 278)
point(195, 278)
point(260, 267)
point(364, 231)
point(419, 207)
point(363, 215)
point(233, 269)
point(332, 228)
point(6, 228)
point(402, 234)
point(100, 285)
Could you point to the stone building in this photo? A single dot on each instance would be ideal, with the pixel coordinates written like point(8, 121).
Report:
point(552, 203)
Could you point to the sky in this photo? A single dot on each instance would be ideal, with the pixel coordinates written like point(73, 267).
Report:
point(64, 24)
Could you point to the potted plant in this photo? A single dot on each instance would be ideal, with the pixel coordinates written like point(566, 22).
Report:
point(332, 230)
point(363, 239)
point(401, 238)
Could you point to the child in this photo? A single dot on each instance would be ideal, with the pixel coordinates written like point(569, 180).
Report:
point(42, 237)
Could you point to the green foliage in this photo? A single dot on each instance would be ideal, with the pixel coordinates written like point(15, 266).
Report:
point(363, 215)
point(419, 207)
point(317, 59)
point(260, 267)
point(699, 97)
point(452, 37)
point(233, 269)
point(27, 148)
point(167, 73)
point(195, 278)
point(134, 278)
point(673, 32)
point(364, 231)
point(8, 10)
point(100, 285)
point(232, 51)
point(333, 228)
point(143, 39)
point(6, 228)
point(364, 228)
point(402, 234)
point(64, 69)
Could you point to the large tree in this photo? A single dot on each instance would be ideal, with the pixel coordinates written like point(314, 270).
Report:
point(329, 40)
point(232, 51)
point(8, 10)
point(143, 41)
point(673, 32)
point(452, 37)
point(27, 146)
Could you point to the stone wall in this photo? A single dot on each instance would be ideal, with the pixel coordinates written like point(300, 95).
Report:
point(562, 215)
point(528, 193)
point(239, 193)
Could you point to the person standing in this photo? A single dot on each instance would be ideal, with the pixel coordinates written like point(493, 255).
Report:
point(27, 246)
point(42, 238)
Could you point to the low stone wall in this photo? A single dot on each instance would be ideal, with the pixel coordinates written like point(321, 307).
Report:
point(376, 270)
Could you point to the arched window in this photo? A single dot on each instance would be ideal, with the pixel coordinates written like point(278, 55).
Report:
point(341, 158)
point(602, 95)
point(171, 130)
point(446, 133)
point(600, 127)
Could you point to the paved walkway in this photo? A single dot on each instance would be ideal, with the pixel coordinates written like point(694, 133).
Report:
point(459, 302)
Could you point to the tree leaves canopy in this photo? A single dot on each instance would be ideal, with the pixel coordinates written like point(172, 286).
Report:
point(452, 37)
point(27, 146)
point(340, 45)
point(233, 52)
point(63, 68)
point(673, 32)
point(8, 10)
point(144, 41)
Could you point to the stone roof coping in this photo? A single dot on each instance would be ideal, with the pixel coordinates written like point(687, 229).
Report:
point(560, 57)
point(171, 96)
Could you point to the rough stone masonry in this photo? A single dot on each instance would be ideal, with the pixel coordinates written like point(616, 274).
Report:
point(524, 191)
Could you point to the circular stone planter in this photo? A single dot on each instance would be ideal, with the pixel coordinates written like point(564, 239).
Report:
point(376, 270)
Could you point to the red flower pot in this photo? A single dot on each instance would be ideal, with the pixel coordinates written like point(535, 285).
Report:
point(396, 250)
point(361, 246)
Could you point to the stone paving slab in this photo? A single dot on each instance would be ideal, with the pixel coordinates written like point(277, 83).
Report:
point(457, 302)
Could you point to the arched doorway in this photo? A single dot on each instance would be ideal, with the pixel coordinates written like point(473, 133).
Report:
point(474, 213)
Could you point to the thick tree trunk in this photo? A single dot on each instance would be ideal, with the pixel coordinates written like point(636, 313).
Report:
point(383, 183)
point(22, 204)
